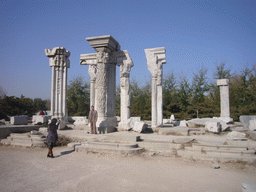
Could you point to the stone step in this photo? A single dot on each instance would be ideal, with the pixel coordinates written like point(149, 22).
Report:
point(25, 143)
point(6, 141)
point(108, 145)
point(215, 157)
point(221, 152)
point(222, 147)
point(19, 135)
point(164, 146)
point(84, 148)
point(123, 148)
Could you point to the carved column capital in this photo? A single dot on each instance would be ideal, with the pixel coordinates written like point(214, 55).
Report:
point(59, 57)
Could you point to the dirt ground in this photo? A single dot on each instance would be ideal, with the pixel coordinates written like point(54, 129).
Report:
point(28, 169)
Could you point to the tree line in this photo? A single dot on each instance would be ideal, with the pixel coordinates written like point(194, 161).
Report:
point(186, 99)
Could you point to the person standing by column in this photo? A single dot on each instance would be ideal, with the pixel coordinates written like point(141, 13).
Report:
point(93, 116)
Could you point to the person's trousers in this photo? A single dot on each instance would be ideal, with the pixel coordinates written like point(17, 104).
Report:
point(93, 128)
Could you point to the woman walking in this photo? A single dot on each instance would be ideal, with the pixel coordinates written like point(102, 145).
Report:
point(52, 136)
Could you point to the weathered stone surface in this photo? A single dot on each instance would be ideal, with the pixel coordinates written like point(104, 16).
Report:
point(59, 61)
point(179, 131)
point(224, 97)
point(196, 123)
point(252, 124)
point(183, 123)
point(248, 186)
point(213, 126)
point(245, 120)
point(140, 126)
point(19, 120)
point(234, 135)
point(80, 120)
point(125, 125)
point(155, 60)
point(36, 119)
point(166, 121)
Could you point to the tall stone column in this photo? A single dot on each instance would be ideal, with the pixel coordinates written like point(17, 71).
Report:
point(224, 99)
point(59, 61)
point(91, 60)
point(155, 60)
point(125, 62)
point(105, 85)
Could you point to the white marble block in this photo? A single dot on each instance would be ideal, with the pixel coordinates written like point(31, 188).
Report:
point(40, 119)
point(19, 120)
point(140, 126)
point(214, 127)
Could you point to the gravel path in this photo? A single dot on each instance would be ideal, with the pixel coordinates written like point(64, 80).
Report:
point(26, 169)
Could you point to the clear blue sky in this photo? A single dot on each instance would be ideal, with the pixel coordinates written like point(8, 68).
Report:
point(195, 33)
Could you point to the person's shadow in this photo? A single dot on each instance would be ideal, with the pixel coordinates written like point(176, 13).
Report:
point(65, 153)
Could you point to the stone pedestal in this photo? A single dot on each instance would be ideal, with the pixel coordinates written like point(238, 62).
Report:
point(59, 61)
point(155, 60)
point(224, 99)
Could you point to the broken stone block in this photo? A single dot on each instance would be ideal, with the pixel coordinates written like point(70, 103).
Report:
point(252, 124)
point(43, 119)
point(19, 120)
point(183, 123)
point(166, 121)
point(245, 120)
point(80, 121)
point(140, 126)
point(235, 135)
point(214, 127)
point(172, 117)
point(125, 125)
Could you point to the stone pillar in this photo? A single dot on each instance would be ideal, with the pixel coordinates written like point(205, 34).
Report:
point(155, 60)
point(90, 59)
point(125, 62)
point(224, 99)
point(105, 85)
point(59, 61)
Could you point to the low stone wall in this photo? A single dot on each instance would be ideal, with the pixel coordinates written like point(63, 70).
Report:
point(6, 130)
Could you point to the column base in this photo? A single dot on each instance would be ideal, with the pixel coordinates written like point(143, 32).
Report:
point(106, 124)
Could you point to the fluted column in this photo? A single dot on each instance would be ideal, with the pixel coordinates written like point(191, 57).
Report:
point(155, 60)
point(59, 61)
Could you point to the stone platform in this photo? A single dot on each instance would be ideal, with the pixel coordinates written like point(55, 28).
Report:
point(6, 130)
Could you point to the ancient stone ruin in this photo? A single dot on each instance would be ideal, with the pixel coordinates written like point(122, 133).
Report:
point(155, 61)
point(102, 70)
point(59, 61)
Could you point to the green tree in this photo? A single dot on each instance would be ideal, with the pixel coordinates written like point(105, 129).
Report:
point(170, 96)
point(40, 104)
point(199, 86)
point(184, 97)
point(78, 97)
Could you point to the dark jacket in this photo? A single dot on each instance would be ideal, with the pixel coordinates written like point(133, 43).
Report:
point(52, 136)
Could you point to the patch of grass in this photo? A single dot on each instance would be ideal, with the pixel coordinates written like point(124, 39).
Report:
point(63, 140)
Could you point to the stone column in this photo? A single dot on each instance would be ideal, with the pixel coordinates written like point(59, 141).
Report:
point(59, 61)
point(125, 62)
point(155, 60)
point(224, 99)
point(90, 59)
point(105, 85)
